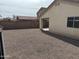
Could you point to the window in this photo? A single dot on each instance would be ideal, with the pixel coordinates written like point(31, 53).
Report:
point(70, 18)
point(70, 24)
point(76, 18)
point(76, 24)
point(73, 22)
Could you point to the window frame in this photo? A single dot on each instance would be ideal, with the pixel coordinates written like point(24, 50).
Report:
point(74, 20)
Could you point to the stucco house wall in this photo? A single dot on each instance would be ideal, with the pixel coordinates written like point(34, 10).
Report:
point(58, 15)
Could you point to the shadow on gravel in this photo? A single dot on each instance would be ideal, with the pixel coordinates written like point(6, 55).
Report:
point(74, 42)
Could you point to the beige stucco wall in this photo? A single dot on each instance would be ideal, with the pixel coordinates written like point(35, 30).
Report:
point(58, 19)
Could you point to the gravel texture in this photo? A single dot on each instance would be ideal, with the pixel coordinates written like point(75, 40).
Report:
point(34, 44)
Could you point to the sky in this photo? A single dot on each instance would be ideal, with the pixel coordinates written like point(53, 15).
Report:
point(8, 8)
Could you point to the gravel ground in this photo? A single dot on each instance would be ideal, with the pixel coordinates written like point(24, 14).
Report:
point(33, 44)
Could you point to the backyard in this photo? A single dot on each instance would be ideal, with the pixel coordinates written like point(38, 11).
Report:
point(34, 44)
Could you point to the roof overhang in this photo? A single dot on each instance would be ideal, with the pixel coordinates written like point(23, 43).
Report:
point(55, 2)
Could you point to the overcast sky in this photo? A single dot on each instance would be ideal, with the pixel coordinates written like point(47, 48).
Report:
point(22, 7)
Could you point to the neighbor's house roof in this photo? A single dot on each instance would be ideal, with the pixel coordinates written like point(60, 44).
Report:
point(53, 3)
point(1, 19)
point(26, 18)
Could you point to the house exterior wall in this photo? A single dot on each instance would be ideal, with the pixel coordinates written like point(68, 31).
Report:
point(58, 19)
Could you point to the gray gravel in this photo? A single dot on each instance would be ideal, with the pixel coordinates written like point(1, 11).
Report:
point(33, 44)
